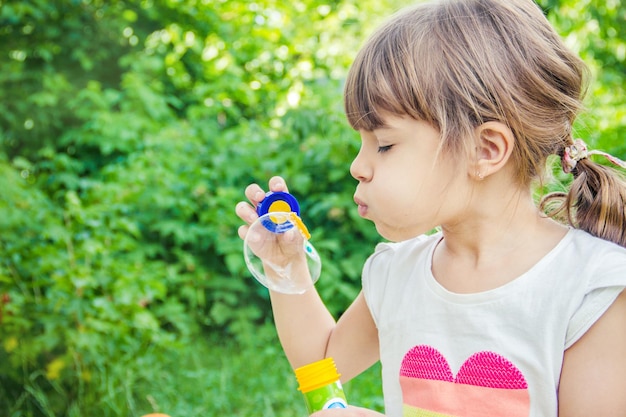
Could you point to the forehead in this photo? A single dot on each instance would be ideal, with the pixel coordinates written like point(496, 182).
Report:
point(395, 122)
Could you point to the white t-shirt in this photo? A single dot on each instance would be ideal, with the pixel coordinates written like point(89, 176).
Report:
point(496, 353)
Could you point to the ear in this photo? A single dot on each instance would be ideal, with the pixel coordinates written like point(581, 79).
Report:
point(494, 146)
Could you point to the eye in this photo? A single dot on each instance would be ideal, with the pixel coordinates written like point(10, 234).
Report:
point(383, 149)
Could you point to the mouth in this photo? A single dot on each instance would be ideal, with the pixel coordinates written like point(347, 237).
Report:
point(361, 206)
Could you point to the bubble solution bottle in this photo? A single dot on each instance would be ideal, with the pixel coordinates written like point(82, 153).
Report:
point(320, 385)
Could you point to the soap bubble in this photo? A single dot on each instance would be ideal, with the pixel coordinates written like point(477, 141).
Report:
point(279, 255)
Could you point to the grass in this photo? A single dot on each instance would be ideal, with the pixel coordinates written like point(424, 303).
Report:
point(247, 376)
point(243, 376)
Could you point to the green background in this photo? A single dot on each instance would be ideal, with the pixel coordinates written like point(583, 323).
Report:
point(128, 131)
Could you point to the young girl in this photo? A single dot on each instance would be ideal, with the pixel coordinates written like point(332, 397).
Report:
point(505, 311)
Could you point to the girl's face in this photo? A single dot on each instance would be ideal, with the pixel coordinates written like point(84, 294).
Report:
point(406, 187)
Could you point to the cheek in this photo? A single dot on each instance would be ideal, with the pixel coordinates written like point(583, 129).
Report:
point(412, 184)
point(402, 221)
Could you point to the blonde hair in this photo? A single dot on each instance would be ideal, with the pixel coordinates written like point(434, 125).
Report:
point(459, 64)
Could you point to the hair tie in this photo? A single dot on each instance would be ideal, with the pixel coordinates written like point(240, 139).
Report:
point(578, 150)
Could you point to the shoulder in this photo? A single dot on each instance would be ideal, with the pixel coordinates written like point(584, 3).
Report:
point(391, 265)
point(584, 241)
point(594, 275)
point(598, 256)
point(593, 379)
point(397, 257)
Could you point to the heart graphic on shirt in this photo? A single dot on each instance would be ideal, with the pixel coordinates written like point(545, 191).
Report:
point(487, 384)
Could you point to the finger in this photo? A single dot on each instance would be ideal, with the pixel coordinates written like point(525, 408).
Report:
point(277, 183)
point(243, 231)
point(255, 194)
point(292, 236)
point(246, 212)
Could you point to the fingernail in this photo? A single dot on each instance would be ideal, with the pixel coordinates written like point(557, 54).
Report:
point(259, 196)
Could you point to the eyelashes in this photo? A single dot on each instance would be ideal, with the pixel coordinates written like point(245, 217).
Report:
point(383, 149)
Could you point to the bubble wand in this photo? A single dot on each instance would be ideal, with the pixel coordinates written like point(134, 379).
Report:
point(271, 255)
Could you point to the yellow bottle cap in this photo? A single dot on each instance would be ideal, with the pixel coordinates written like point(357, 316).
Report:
point(316, 375)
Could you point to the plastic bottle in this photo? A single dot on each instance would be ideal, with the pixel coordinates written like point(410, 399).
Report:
point(320, 385)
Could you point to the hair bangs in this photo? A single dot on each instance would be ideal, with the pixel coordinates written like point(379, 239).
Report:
point(367, 95)
point(378, 83)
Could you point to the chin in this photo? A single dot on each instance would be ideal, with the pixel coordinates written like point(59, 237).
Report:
point(392, 235)
point(396, 234)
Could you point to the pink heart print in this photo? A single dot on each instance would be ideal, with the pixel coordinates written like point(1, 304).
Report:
point(487, 384)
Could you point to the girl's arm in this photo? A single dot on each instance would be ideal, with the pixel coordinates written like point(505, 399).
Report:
point(308, 333)
point(593, 379)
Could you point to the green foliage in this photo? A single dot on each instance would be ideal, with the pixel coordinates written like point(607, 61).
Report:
point(596, 30)
point(128, 130)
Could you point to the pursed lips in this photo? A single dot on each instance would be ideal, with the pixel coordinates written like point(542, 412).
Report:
point(361, 205)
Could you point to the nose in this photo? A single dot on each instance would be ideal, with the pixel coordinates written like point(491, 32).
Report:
point(360, 169)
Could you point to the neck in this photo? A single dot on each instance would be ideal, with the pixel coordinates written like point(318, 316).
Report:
point(506, 236)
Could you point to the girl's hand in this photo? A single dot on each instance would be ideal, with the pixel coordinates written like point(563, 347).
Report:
point(282, 254)
point(351, 411)
point(255, 195)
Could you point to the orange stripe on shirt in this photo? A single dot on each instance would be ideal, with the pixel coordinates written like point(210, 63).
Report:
point(463, 400)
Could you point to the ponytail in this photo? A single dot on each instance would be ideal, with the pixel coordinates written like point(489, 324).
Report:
point(596, 200)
